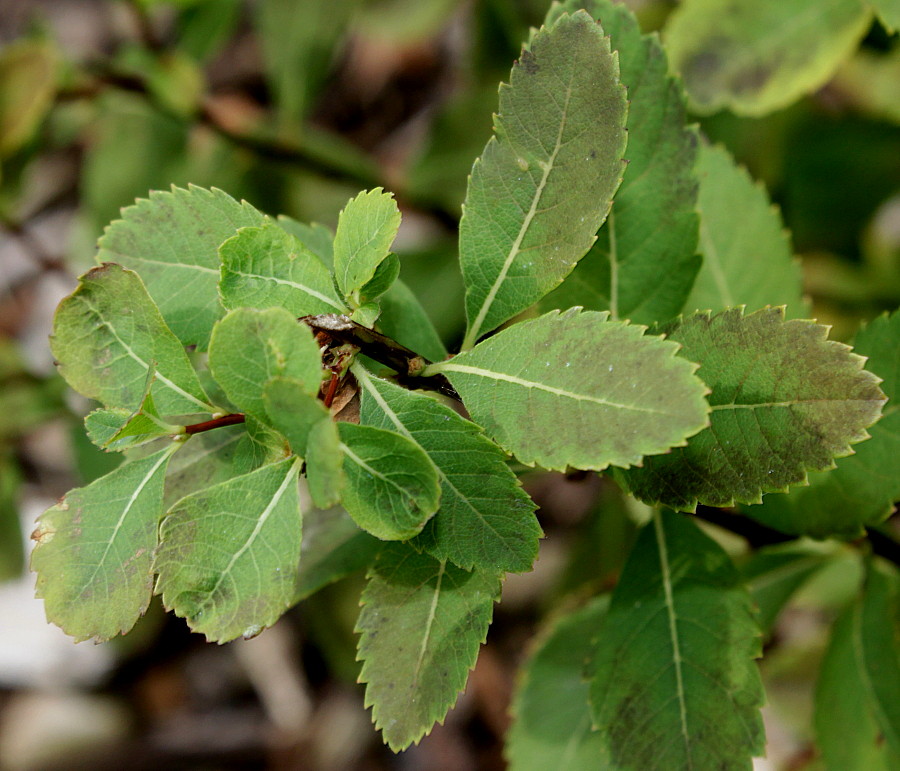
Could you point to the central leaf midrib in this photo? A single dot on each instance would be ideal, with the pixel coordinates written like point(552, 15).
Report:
point(308, 290)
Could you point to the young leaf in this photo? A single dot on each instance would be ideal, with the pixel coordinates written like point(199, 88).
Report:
point(171, 238)
point(293, 410)
point(108, 335)
point(747, 257)
point(841, 701)
point(862, 489)
point(366, 229)
point(756, 56)
point(485, 520)
point(385, 276)
point(785, 400)
point(228, 555)
point(118, 429)
point(552, 720)
point(95, 547)
point(404, 319)
point(575, 389)
point(677, 648)
point(876, 640)
point(421, 624)
point(545, 181)
point(317, 238)
point(391, 485)
point(248, 347)
point(325, 464)
point(267, 267)
point(645, 257)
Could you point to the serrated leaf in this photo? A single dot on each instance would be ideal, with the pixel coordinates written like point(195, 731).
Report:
point(575, 389)
point(95, 547)
point(861, 490)
point(677, 647)
point(172, 239)
point(404, 319)
point(841, 701)
point(545, 181)
point(366, 229)
point(421, 624)
point(325, 464)
point(645, 257)
point(249, 347)
point(28, 82)
point(757, 56)
point(391, 487)
point(293, 410)
point(785, 400)
point(876, 641)
point(108, 335)
point(266, 267)
point(333, 547)
point(118, 429)
point(485, 519)
point(747, 256)
point(228, 555)
point(551, 725)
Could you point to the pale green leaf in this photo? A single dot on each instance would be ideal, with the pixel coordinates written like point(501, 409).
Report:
point(575, 389)
point(267, 267)
point(846, 732)
point(172, 239)
point(325, 464)
point(392, 486)
point(645, 257)
point(551, 726)
point(876, 642)
point(366, 229)
point(545, 181)
point(747, 256)
point(421, 624)
point(405, 320)
point(317, 238)
point(259, 446)
point(118, 429)
point(248, 347)
point(785, 400)
point(228, 555)
point(293, 410)
point(862, 489)
point(333, 547)
point(889, 13)
point(485, 519)
point(95, 547)
point(674, 684)
point(108, 335)
point(757, 56)
point(205, 460)
point(385, 275)
point(28, 82)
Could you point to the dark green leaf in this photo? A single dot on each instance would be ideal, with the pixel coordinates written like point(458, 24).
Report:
point(405, 320)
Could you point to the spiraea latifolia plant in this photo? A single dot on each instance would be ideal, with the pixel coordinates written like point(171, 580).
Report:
point(288, 415)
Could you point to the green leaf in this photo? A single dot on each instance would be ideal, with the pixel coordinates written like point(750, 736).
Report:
point(325, 464)
point(405, 320)
point(421, 624)
point(846, 732)
point(266, 267)
point(205, 460)
point(545, 181)
point(28, 82)
point(785, 400)
point(317, 238)
point(293, 410)
point(259, 447)
point(485, 519)
point(551, 718)
point(575, 389)
point(172, 239)
point(775, 573)
point(757, 56)
point(747, 256)
point(862, 489)
point(95, 547)
point(385, 276)
point(889, 13)
point(228, 555)
point(108, 335)
point(366, 229)
point(677, 648)
point(12, 552)
point(645, 257)
point(876, 641)
point(119, 429)
point(333, 547)
point(391, 485)
point(248, 347)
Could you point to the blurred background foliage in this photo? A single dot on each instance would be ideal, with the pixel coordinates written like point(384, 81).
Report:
point(296, 105)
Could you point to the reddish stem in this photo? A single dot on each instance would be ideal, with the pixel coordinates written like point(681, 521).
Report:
point(226, 420)
point(332, 389)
